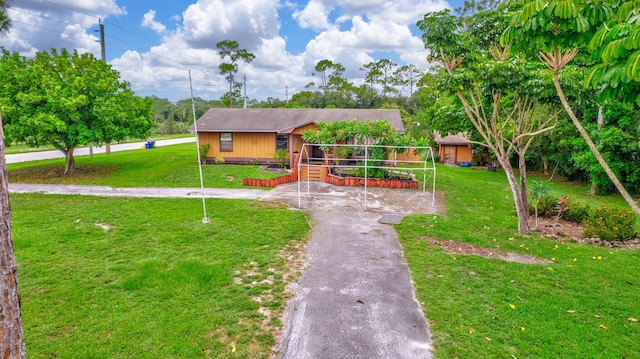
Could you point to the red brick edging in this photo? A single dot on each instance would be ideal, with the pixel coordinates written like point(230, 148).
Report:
point(335, 180)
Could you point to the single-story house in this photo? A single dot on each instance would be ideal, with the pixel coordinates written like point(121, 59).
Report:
point(246, 135)
point(453, 149)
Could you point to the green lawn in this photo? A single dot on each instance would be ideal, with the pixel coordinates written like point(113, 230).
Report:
point(165, 280)
point(166, 166)
point(22, 148)
point(575, 307)
point(143, 278)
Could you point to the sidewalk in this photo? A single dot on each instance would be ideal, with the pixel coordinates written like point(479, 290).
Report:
point(157, 192)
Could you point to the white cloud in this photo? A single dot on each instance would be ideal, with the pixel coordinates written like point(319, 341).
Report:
point(351, 32)
point(148, 21)
point(208, 22)
point(37, 25)
point(315, 16)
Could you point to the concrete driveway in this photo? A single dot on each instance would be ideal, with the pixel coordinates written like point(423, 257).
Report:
point(355, 298)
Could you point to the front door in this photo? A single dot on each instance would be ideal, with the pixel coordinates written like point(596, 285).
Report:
point(316, 153)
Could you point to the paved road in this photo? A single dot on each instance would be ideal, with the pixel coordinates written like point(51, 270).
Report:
point(44, 155)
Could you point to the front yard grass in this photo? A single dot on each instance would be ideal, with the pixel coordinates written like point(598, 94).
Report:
point(166, 166)
point(143, 278)
point(578, 305)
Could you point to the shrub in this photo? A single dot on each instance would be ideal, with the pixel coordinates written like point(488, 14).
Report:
point(204, 151)
point(281, 157)
point(254, 162)
point(610, 224)
point(372, 172)
point(546, 207)
point(219, 160)
point(577, 212)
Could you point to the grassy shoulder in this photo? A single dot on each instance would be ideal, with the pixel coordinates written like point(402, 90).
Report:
point(576, 306)
point(166, 166)
point(143, 278)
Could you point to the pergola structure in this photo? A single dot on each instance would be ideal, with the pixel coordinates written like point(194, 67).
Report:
point(404, 155)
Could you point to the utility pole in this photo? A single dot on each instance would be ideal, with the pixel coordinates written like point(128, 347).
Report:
point(245, 91)
point(104, 58)
point(286, 94)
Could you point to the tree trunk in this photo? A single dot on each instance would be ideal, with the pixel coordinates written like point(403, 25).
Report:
point(521, 210)
point(545, 164)
point(592, 146)
point(70, 160)
point(11, 333)
point(522, 166)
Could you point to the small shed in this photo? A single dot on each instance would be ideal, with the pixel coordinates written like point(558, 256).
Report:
point(453, 149)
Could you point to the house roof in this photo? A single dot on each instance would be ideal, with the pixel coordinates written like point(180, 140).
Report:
point(459, 139)
point(285, 119)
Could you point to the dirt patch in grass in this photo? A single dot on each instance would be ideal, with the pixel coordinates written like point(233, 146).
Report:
point(570, 231)
point(290, 263)
point(268, 205)
point(560, 229)
point(453, 247)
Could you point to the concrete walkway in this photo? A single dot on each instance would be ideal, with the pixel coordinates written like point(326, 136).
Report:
point(355, 298)
point(154, 192)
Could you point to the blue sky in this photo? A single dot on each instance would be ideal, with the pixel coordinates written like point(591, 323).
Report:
point(154, 44)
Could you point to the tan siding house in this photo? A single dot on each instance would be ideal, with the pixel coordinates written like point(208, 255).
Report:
point(241, 135)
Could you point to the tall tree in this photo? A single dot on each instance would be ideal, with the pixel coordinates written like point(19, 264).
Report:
point(11, 332)
point(384, 73)
point(500, 109)
point(68, 100)
point(408, 75)
point(232, 50)
point(558, 30)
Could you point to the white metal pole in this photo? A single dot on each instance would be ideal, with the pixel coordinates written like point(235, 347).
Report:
point(366, 156)
point(205, 219)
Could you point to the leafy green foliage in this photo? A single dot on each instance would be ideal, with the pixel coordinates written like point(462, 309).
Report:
point(610, 30)
point(610, 224)
point(204, 151)
point(615, 48)
point(281, 157)
point(618, 140)
point(577, 212)
point(5, 21)
point(67, 100)
point(544, 206)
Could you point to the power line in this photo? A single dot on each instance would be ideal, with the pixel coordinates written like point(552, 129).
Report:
point(52, 30)
point(133, 33)
point(69, 8)
point(38, 15)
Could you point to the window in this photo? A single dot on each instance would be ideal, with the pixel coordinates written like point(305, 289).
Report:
point(282, 142)
point(226, 141)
